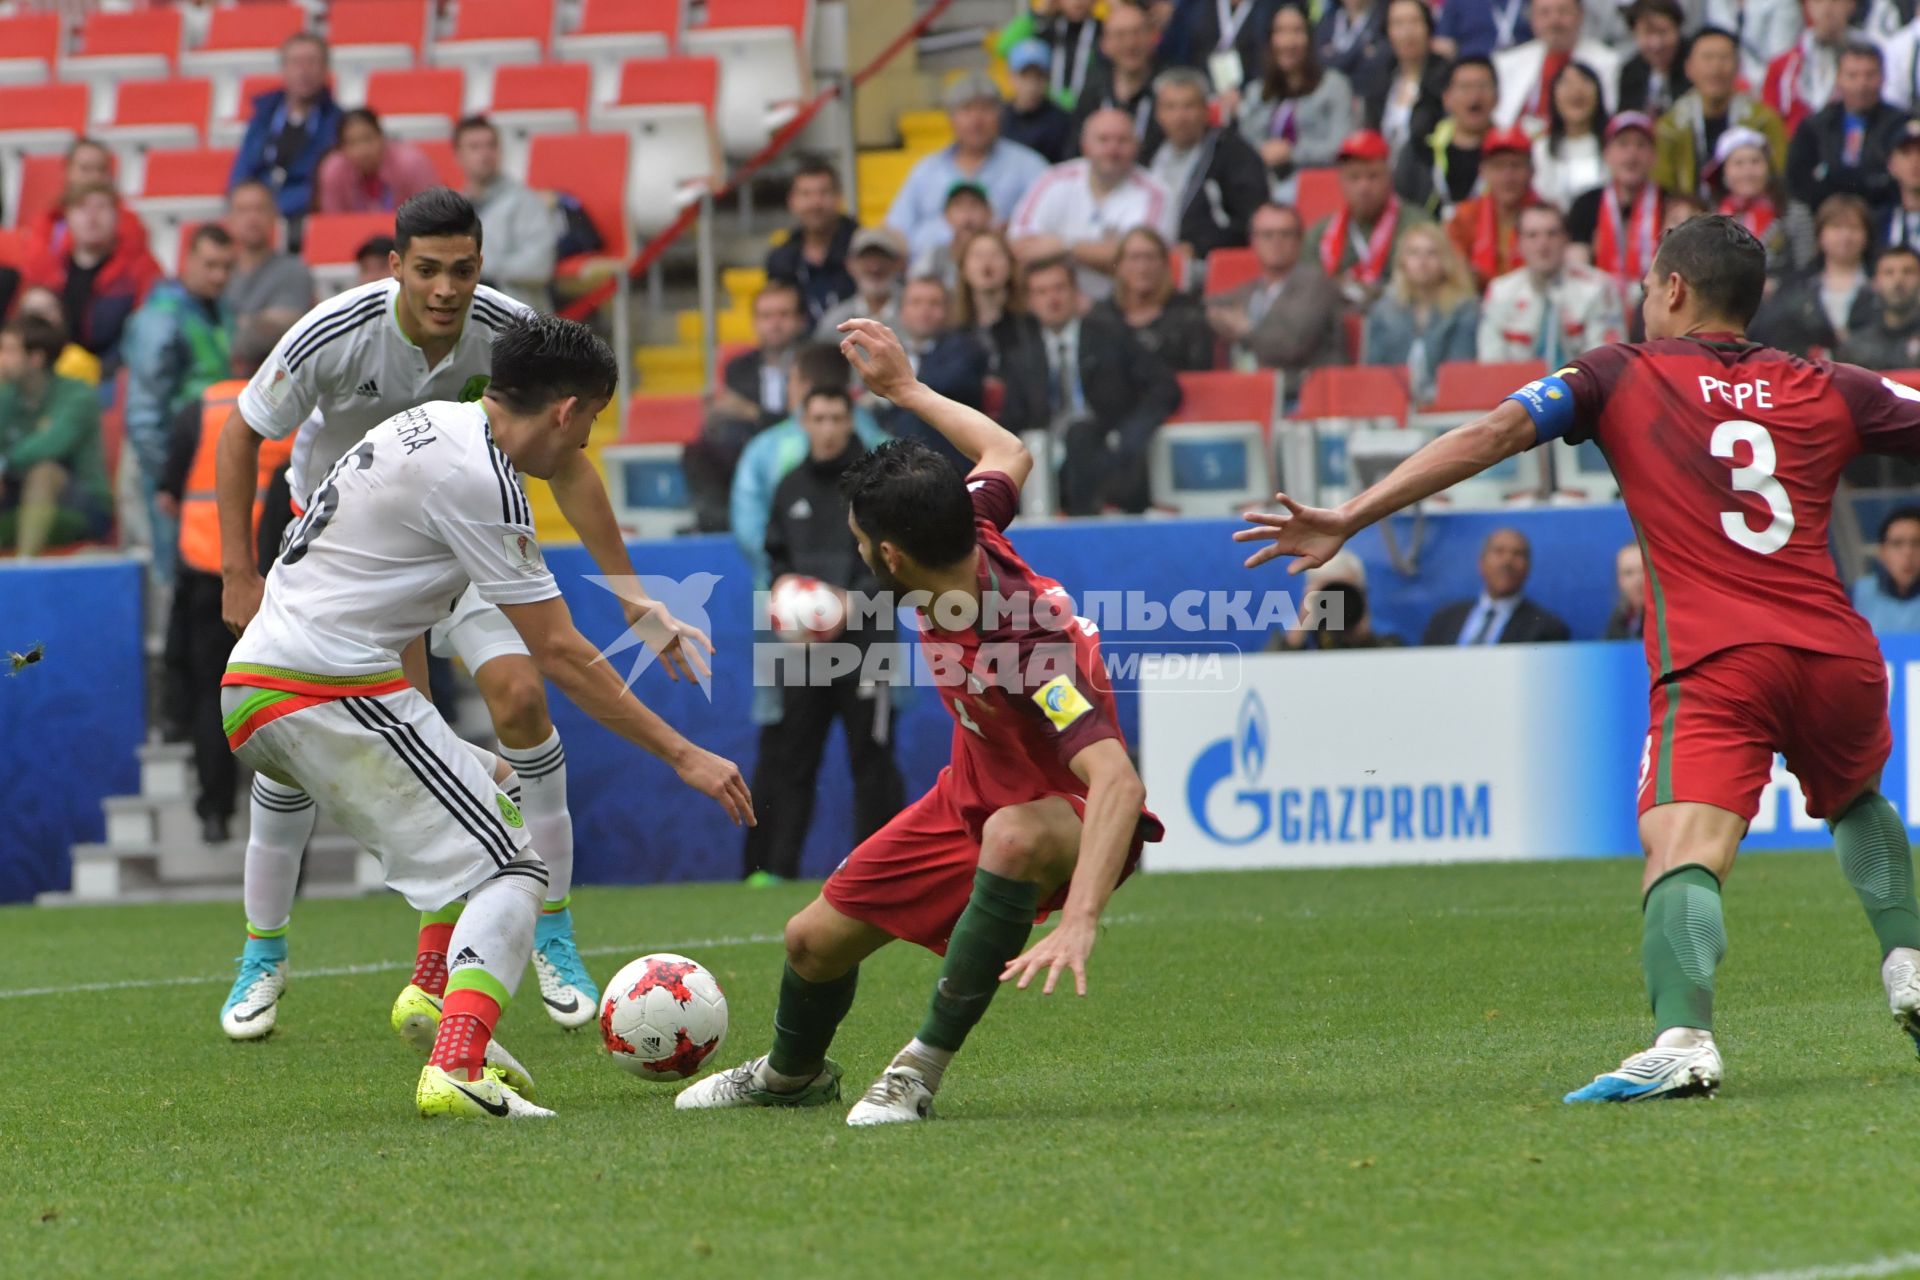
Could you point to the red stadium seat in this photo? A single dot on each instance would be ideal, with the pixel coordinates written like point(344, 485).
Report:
point(542, 97)
point(159, 113)
point(197, 171)
point(1222, 396)
point(243, 40)
point(29, 47)
point(668, 81)
point(666, 105)
point(440, 151)
point(1317, 194)
point(663, 419)
point(330, 240)
point(1469, 388)
point(591, 167)
point(141, 44)
point(1905, 377)
point(612, 31)
point(487, 33)
point(42, 180)
point(1360, 391)
point(1229, 269)
point(763, 78)
point(374, 35)
point(41, 116)
point(1212, 456)
point(420, 103)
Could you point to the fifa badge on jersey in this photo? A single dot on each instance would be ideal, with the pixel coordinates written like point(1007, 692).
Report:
point(509, 811)
point(523, 553)
point(276, 389)
point(1061, 702)
point(474, 388)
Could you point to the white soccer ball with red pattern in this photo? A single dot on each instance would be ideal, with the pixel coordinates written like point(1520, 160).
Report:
point(662, 1017)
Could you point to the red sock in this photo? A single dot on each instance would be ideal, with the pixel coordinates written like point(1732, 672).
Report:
point(430, 963)
point(466, 1024)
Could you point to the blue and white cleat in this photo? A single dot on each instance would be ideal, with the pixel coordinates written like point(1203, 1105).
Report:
point(1686, 1067)
point(1900, 971)
point(253, 1005)
point(566, 989)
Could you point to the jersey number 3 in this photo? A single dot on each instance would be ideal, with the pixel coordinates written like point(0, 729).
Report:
point(1756, 478)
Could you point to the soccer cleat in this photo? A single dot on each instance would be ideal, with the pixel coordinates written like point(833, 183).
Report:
point(742, 1087)
point(253, 1005)
point(1690, 1069)
point(569, 994)
point(416, 1019)
point(488, 1098)
point(899, 1096)
point(1900, 972)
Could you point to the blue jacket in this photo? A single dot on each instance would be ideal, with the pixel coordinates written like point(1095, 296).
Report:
point(173, 350)
point(1390, 337)
point(293, 188)
point(1886, 610)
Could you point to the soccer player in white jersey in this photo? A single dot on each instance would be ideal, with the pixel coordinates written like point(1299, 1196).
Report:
point(426, 506)
point(426, 333)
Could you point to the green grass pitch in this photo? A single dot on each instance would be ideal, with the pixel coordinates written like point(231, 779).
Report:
point(1351, 1073)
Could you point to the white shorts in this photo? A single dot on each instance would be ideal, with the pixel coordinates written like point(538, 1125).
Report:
point(391, 772)
point(475, 632)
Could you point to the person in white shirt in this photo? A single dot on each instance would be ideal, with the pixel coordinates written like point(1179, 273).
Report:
point(1548, 310)
point(1566, 158)
point(1083, 207)
point(1527, 71)
point(425, 333)
point(424, 507)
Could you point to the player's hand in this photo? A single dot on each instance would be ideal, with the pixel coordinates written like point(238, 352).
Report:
point(678, 644)
point(1067, 947)
point(877, 356)
point(240, 599)
point(718, 777)
point(1311, 535)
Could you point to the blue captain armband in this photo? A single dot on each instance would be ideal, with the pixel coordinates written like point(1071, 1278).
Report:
point(1549, 402)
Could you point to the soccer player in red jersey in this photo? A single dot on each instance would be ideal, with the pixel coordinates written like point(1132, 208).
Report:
point(1727, 454)
point(1040, 810)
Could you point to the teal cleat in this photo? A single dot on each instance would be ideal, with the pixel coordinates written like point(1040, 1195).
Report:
point(253, 1004)
point(1689, 1070)
point(566, 989)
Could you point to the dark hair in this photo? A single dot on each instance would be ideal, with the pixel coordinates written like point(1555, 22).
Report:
point(818, 167)
point(905, 493)
point(380, 245)
point(307, 37)
point(1860, 47)
point(1473, 60)
point(37, 333)
point(1556, 126)
point(468, 124)
point(210, 233)
point(829, 393)
point(1052, 262)
point(1551, 210)
point(1896, 251)
point(251, 184)
point(540, 359)
point(1426, 13)
point(1719, 33)
point(1275, 86)
point(782, 286)
point(364, 115)
point(437, 211)
point(1720, 260)
point(1668, 9)
point(1894, 517)
point(820, 364)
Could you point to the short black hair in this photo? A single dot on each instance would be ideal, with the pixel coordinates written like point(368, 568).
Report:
point(1896, 251)
point(364, 115)
point(820, 364)
point(830, 393)
point(1543, 209)
point(540, 359)
point(1721, 261)
point(1861, 47)
point(1473, 60)
point(379, 246)
point(37, 333)
point(468, 124)
point(818, 167)
point(1894, 517)
point(1641, 10)
point(1053, 262)
point(1713, 33)
point(210, 233)
point(905, 493)
point(779, 286)
point(437, 211)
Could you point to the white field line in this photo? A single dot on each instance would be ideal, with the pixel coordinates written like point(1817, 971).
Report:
point(1892, 1265)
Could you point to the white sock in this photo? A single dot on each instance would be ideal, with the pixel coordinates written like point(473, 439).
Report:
point(930, 1062)
point(1683, 1038)
point(281, 821)
point(542, 771)
point(495, 932)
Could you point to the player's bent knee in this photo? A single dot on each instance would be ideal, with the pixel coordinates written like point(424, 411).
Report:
point(1014, 845)
point(816, 949)
point(517, 701)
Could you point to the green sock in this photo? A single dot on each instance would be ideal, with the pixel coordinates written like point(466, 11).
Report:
point(1682, 940)
point(990, 932)
point(806, 1018)
point(1871, 842)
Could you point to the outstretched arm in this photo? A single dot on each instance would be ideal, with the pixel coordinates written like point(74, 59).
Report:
point(877, 356)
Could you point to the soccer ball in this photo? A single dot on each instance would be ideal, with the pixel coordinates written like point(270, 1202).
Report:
point(803, 608)
point(663, 1016)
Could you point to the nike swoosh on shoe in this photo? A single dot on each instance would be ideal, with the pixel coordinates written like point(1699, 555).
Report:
point(491, 1108)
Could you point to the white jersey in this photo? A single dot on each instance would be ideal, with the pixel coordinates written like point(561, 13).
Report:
point(1064, 203)
point(348, 359)
point(422, 506)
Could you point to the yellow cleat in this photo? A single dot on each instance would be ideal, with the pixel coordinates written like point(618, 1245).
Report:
point(488, 1098)
point(416, 1020)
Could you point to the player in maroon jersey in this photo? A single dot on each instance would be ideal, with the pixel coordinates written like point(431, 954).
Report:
point(1727, 454)
point(1041, 809)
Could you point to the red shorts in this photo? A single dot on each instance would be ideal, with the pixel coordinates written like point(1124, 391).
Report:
point(913, 877)
point(1714, 728)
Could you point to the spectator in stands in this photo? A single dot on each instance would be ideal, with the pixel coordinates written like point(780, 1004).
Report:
point(1165, 321)
point(1405, 103)
point(1677, 207)
point(1442, 168)
point(1215, 178)
point(989, 303)
point(371, 173)
point(1006, 169)
point(1333, 612)
point(75, 361)
point(1900, 224)
point(752, 397)
point(291, 129)
point(1548, 309)
point(1743, 172)
point(808, 536)
point(1628, 620)
point(1502, 614)
point(1352, 39)
point(1297, 114)
point(1806, 77)
point(373, 260)
point(1123, 77)
point(1071, 34)
point(947, 360)
point(1086, 378)
point(1227, 39)
point(1080, 208)
point(1819, 307)
point(1032, 118)
point(89, 164)
point(1480, 28)
point(517, 222)
point(1527, 72)
point(1653, 79)
point(1888, 594)
point(814, 254)
point(1685, 136)
point(99, 278)
point(1288, 318)
point(1566, 158)
point(1766, 29)
point(177, 345)
point(1485, 228)
point(878, 258)
point(1616, 226)
point(968, 213)
point(265, 278)
point(53, 483)
point(1891, 338)
point(1844, 146)
point(1356, 243)
point(1429, 314)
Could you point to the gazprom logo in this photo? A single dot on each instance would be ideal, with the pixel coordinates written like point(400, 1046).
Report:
point(1233, 811)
